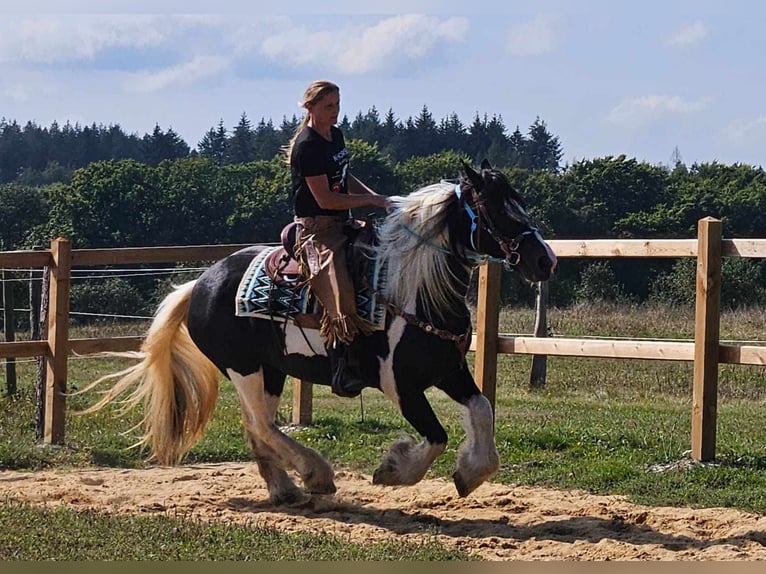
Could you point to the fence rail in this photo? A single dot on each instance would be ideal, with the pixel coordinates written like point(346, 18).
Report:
point(705, 350)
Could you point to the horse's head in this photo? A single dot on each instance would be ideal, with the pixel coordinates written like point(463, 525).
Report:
point(500, 227)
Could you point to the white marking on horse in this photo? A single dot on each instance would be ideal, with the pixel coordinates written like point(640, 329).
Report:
point(477, 456)
point(386, 372)
point(551, 254)
point(258, 410)
point(395, 333)
point(308, 343)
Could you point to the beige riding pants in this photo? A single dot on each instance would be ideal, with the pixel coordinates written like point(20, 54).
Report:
point(321, 253)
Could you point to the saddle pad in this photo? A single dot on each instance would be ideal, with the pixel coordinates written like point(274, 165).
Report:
point(258, 296)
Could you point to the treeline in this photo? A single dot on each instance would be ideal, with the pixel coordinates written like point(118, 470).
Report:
point(195, 200)
point(36, 155)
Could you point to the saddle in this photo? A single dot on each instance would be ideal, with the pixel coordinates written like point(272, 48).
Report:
point(282, 267)
point(272, 286)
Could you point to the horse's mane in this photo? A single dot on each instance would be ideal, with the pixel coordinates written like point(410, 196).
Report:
point(415, 247)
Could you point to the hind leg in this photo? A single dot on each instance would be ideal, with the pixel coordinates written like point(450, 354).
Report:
point(477, 457)
point(282, 489)
point(276, 450)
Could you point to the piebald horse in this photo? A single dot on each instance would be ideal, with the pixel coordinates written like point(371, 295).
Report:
point(429, 244)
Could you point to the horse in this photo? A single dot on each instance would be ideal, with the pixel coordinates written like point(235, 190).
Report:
point(429, 242)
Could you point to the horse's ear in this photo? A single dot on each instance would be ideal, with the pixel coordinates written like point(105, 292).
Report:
point(485, 164)
point(472, 175)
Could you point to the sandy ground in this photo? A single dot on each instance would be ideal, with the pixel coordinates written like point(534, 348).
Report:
point(496, 522)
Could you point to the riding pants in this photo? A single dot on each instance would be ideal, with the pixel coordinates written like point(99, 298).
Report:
point(321, 253)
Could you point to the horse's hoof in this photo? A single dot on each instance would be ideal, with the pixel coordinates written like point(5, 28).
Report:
point(385, 475)
point(290, 497)
point(323, 489)
point(464, 488)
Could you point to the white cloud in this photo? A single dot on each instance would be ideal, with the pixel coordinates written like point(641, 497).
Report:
point(359, 50)
point(65, 38)
point(198, 68)
point(49, 39)
point(690, 34)
point(533, 37)
point(747, 131)
point(635, 112)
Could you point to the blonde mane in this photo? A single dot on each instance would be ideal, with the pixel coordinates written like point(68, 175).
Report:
point(414, 245)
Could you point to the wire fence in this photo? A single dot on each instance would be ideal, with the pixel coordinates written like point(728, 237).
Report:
point(82, 275)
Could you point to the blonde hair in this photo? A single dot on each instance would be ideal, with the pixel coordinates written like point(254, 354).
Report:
point(317, 90)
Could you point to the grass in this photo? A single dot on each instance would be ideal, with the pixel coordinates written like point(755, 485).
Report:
point(604, 426)
point(63, 534)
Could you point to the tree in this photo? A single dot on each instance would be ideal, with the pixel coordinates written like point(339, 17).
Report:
point(366, 127)
point(372, 167)
point(213, 144)
point(22, 208)
point(390, 136)
point(11, 150)
point(452, 134)
point(268, 141)
point(417, 172)
point(517, 145)
point(240, 146)
point(160, 146)
point(423, 134)
point(543, 149)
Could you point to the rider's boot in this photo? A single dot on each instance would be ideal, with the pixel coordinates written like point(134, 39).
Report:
point(345, 381)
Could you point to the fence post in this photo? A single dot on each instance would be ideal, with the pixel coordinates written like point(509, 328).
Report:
point(40, 332)
point(303, 395)
point(540, 362)
point(9, 327)
point(706, 339)
point(487, 320)
point(58, 341)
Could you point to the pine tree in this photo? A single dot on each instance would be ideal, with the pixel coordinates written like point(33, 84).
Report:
point(240, 146)
point(213, 144)
point(267, 141)
point(544, 150)
point(160, 146)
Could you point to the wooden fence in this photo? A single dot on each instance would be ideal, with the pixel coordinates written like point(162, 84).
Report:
point(705, 350)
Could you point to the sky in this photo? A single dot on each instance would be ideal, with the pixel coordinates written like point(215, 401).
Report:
point(654, 80)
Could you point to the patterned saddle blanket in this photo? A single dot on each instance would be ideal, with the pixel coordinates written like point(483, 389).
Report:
point(259, 296)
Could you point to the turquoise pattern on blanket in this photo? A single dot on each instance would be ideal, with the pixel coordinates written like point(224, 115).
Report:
point(258, 296)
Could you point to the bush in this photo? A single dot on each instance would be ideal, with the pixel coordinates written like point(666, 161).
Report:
point(113, 296)
point(742, 284)
point(598, 283)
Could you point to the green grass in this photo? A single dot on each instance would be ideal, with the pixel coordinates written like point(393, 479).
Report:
point(30, 533)
point(599, 425)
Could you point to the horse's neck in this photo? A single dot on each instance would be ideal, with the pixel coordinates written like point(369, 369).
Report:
point(455, 313)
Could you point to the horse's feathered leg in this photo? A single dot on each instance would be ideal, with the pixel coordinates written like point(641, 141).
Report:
point(282, 489)
point(277, 450)
point(407, 461)
point(477, 458)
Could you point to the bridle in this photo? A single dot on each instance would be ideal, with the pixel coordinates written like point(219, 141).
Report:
point(482, 221)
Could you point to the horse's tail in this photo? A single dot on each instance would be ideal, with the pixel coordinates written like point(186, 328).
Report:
point(176, 383)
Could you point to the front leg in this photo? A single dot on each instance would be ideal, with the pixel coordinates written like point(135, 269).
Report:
point(407, 460)
point(477, 458)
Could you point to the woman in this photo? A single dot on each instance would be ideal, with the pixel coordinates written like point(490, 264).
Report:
point(324, 191)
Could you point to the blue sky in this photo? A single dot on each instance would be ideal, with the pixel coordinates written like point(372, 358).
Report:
point(607, 77)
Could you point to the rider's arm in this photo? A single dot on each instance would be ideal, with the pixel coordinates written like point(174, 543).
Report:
point(326, 199)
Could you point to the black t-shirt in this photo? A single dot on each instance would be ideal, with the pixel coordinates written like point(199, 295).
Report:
point(313, 155)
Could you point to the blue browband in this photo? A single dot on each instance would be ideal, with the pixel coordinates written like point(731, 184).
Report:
point(474, 226)
point(471, 214)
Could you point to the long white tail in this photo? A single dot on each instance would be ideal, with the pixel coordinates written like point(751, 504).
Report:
point(176, 383)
